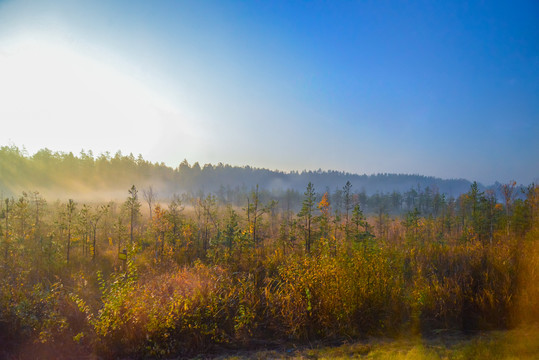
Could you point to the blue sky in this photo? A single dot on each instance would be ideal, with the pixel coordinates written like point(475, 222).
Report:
point(446, 89)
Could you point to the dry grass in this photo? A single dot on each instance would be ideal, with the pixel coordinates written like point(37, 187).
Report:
point(512, 344)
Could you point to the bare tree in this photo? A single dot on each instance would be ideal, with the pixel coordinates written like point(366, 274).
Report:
point(99, 212)
point(347, 208)
point(508, 192)
point(39, 204)
point(174, 209)
point(132, 205)
point(70, 209)
point(255, 210)
point(150, 196)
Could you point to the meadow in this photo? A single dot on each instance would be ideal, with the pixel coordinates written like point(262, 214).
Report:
point(194, 276)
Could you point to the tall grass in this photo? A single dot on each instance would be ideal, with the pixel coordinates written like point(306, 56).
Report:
point(420, 281)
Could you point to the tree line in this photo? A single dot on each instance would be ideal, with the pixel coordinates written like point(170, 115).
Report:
point(57, 174)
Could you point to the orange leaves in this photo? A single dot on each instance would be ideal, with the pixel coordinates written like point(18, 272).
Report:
point(160, 221)
point(323, 205)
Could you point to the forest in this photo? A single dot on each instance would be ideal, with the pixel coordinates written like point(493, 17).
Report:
point(156, 275)
point(106, 176)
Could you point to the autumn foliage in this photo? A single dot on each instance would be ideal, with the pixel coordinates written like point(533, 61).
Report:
point(201, 276)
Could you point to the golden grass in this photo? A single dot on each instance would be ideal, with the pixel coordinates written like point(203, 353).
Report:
point(520, 343)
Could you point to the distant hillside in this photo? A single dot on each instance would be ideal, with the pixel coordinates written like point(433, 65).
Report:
point(66, 174)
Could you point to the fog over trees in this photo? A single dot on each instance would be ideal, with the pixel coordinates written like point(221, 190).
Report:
point(200, 273)
point(69, 175)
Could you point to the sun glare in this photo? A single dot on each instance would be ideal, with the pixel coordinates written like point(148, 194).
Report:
point(55, 96)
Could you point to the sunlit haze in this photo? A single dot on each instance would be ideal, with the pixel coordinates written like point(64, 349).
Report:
point(447, 90)
point(65, 100)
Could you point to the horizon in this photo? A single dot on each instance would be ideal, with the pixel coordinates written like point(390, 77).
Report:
point(110, 155)
point(443, 90)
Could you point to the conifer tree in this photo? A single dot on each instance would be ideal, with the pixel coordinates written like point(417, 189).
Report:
point(307, 215)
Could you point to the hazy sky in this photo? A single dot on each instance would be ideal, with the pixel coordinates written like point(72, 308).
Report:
point(445, 89)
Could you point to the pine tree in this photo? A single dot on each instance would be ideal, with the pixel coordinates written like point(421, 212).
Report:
point(307, 215)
